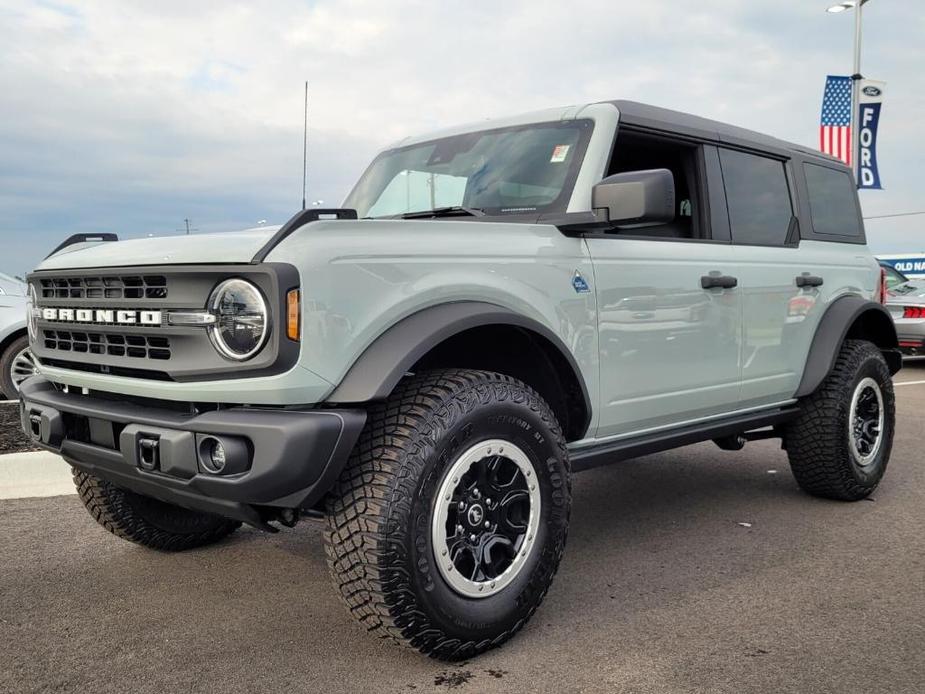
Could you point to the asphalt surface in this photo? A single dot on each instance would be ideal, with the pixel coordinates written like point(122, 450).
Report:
point(12, 438)
point(696, 570)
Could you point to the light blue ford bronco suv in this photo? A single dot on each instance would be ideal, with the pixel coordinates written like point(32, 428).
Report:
point(495, 308)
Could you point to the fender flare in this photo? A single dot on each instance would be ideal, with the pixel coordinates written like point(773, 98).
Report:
point(381, 366)
point(837, 321)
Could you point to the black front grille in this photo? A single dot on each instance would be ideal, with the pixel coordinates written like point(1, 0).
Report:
point(113, 344)
point(105, 287)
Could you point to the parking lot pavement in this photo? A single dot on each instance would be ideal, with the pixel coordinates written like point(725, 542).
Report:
point(662, 589)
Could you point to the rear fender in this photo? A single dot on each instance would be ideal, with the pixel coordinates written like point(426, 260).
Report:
point(848, 317)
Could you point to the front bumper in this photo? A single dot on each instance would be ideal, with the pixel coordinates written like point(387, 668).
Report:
point(277, 458)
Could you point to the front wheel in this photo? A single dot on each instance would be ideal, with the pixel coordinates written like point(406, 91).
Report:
point(146, 521)
point(840, 444)
point(448, 523)
point(16, 365)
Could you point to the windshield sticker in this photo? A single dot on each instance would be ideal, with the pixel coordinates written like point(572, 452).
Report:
point(559, 154)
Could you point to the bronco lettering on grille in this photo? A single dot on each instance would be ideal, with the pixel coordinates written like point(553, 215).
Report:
point(87, 315)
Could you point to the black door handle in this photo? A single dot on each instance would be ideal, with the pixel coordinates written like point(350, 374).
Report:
point(718, 282)
point(808, 280)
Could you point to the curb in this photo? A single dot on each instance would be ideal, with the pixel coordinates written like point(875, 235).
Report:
point(34, 474)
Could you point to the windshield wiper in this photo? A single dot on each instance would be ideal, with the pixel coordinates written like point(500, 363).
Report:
point(455, 211)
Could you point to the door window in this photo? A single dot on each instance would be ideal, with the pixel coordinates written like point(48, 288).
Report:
point(639, 152)
point(758, 198)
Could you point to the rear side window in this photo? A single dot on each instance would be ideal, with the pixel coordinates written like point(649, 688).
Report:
point(832, 201)
point(758, 198)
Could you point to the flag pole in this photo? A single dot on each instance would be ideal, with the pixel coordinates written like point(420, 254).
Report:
point(856, 93)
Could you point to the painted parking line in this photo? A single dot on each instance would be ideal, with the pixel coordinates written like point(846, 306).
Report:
point(907, 383)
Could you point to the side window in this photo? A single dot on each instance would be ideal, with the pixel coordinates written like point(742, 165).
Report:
point(758, 198)
point(832, 201)
point(638, 152)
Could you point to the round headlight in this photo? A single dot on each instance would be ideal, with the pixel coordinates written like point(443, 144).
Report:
point(241, 319)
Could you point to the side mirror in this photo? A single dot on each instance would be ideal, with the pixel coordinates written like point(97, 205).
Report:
point(636, 197)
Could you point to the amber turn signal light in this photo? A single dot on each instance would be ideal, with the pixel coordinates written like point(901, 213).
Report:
point(293, 315)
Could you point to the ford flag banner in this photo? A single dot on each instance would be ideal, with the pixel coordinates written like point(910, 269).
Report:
point(871, 99)
point(835, 124)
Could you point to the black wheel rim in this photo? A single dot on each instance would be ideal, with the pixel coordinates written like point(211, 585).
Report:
point(866, 421)
point(486, 518)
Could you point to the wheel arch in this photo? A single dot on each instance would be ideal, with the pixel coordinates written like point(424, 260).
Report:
point(848, 317)
point(449, 335)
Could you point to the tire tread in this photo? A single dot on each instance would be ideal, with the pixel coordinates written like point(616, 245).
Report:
point(372, 500)
point(110, 506)
point(816, 441)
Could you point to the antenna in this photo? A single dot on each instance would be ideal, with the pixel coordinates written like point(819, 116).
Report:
point(305, 148)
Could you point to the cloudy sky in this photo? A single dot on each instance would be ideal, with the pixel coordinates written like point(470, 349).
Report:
point(131, 116)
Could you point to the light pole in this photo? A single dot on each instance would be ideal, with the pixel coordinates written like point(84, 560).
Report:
point(858, 6)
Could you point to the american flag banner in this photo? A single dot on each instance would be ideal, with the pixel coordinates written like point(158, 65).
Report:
point(835, 125)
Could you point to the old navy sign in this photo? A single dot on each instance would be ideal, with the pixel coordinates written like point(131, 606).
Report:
point(870, 101)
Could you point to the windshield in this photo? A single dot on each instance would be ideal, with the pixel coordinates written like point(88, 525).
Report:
point(520, 170)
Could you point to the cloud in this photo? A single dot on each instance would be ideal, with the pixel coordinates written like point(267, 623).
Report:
point(129, 116)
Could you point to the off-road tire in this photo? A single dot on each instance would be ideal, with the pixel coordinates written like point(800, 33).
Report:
point(7, 388)
point(378, 538)
point(818, 443)
point(146, 521)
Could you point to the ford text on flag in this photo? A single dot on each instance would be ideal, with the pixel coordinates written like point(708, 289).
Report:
point(835, 124)
point(871, 98)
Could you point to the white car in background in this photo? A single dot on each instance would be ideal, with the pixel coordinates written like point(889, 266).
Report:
point(906, 304)
point(16, 362)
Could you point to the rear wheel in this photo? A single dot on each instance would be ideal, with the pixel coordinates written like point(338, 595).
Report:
point(448, 523)
point(147, 521)
point(840, 445)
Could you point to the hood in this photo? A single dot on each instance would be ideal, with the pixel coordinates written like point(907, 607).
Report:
point(228, 247)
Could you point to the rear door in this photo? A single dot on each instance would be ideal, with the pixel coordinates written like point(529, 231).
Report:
point(669, 348)
point(781, 312)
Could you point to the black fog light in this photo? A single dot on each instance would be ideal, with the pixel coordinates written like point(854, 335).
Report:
point(223, 455)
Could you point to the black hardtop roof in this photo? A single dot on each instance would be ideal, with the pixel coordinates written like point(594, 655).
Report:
point(656, 118)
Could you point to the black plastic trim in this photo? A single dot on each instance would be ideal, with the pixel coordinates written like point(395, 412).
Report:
point(382, 365)
point(298, 220)
point(602, 454)
point(295, 454)
point(74, 239)
point(831, 333)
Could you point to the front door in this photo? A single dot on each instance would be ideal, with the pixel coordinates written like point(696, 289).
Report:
point(669, 345)
point(669, 348)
